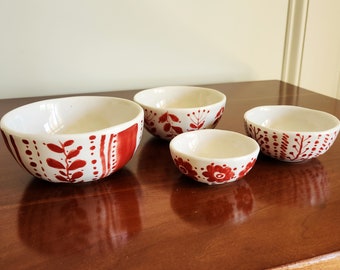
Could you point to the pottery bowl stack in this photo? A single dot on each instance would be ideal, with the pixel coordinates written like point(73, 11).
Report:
point(73, 139)
point(291, 133)
point(173, 110)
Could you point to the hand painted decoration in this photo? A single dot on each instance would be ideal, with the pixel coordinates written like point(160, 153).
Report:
point(70, 170)
point(74, 139)
point(94, 158)
point(291, 147)
point(214, 156)
point(172, 124)
point(213, 173)
point(291, 133)
point(172, 110)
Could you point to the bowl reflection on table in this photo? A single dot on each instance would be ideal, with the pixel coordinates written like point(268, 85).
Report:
point(302, 184)
point(213, 205)
point(89, 216)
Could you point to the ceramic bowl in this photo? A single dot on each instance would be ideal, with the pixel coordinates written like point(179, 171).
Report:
point(172, 110)
point(73, 139)
point(291, 133)
point(214, 156)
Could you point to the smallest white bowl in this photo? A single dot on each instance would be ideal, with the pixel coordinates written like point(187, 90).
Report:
point(214, 156)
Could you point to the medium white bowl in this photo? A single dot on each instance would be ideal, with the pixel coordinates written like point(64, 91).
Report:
point(73, 139)
point(172, 110)
point(214, 156)
point(291, 133)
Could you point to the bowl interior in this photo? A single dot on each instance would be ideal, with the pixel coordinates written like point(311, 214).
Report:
point(179, 97)
point(217, 144)
point(291, 118)
point(70, 115)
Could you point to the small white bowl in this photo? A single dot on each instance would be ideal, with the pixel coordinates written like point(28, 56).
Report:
point(172, 110)
point(214, 156)
point(291, 133)
point(73, 139)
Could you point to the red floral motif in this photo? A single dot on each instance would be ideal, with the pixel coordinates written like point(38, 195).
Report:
point(185, 167)
point(67, 168)
point(247, 168)
point(218, 173)
point(197, 119)
point(301, 146)
point(255, 133)
point(169, 120)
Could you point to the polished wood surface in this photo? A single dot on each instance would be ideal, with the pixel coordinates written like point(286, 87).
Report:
point(149, 216)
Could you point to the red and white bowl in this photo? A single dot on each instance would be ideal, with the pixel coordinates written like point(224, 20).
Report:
point(291, 133)
point(73, 139)
point(214, 156)
point(172, 110)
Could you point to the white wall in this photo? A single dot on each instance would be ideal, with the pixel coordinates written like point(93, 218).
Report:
point(74, 46)
point(320, 66)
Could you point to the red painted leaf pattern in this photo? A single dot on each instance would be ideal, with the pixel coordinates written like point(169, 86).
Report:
point(178, 130)
point(55, 163)
point(77, 164)
point(73, 153)
point(68, 143)
point(173, 117)
point(163, 118)
point(65, 163)
point(76, 175)
point(197, 119)
point(61, 178)
point(62, 173)
point(200, 125)
point(167, 127)
point(55, 148)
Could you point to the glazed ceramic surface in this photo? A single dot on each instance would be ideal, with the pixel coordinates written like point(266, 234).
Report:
point(74, 139)
point(172, 110)
point(214, 156)
point(291, 133)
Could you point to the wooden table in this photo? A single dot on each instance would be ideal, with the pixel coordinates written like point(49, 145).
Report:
point(149, 216)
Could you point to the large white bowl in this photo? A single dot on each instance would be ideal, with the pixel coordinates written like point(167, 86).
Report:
point(172, 110)
point(214, 156)
point(73, 139)
point(291, 133)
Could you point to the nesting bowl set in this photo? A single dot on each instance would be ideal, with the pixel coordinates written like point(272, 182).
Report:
point(87, 138)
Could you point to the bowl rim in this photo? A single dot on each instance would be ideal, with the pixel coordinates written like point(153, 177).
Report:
point(174, 149)
point(15, 132)
point(179, 88)
point(283, 106)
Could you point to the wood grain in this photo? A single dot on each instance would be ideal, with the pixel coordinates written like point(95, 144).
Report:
point(149, 216)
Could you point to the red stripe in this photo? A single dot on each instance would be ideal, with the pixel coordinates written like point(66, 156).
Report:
point(109, 150)
point(102, 155)
point(7, 143)
point(126, 145)
point(17, 154)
